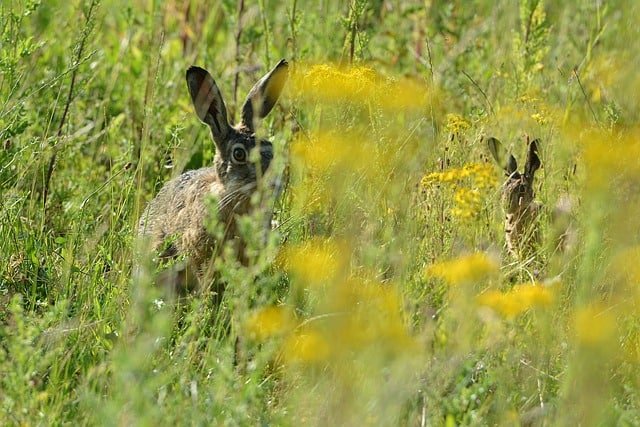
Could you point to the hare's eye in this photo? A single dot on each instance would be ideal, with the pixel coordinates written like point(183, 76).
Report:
point(239, 154)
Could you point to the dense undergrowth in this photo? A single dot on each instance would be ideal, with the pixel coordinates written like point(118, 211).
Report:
point(384, 294)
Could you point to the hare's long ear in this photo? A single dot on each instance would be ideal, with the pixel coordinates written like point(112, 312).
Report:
point(499, 153)
point(533, 159)
point(264, 94)
point(208, 103)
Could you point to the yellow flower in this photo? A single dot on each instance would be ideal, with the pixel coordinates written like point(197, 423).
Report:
point(324, 152)
point(468, 203)
point(328, 83)
point(481, 175)
point(316, 262)
point(466, 269)
point(518, 300)
point(607, 159)
point(268, 322)
point(538, 117)
point(471, 183)
point(625, 266)
point(456, 123)
point(306, 346)
point(367, 313)
point(594, 325)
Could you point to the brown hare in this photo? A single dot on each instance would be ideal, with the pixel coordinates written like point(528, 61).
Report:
point(521, 210)
point(175, 221)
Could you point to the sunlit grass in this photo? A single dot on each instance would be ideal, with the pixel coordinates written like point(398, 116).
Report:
point(384, 294)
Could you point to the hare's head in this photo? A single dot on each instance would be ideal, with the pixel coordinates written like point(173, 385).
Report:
point(240, 158)
point(518, 188)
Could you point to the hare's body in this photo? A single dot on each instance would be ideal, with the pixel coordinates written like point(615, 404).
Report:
point(178, 220)
point(522, 233)
point(178, 217)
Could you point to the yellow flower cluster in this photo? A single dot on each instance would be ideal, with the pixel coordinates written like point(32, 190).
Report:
point(466, 269)
point(594, 325)
point(314, 263)
point(326, 151)
point(529, 108)
point(482, 176)
point(351, 314)
point(456, 123)
point(328, 83)
point(472, 184)
point(269, 322)
point(517, 300)
point(607, 160)
point(468, 202)
point(356, 315)
point(306, 346)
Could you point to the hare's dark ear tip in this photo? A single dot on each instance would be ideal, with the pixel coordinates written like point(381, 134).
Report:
point(492, 142)
point(283, 65)
point(195, 71)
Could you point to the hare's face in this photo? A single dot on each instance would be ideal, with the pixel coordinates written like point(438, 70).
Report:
point(518, 192)
point(518, 188)
point(241, 158)
point(244, 161)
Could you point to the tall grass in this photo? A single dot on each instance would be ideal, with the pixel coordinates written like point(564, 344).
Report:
point(384, 294)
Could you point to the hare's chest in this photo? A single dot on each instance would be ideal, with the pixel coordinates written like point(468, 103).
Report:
point(520, 228)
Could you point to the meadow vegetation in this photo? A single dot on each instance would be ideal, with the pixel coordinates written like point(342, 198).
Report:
point(383, 294)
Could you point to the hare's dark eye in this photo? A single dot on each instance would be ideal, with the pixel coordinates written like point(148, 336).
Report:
point(239, 154)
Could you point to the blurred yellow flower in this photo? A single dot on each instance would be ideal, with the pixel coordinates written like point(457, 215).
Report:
point(594, 324)
point(375, 313)
point(322, 152)
point(361, 314)
point(466, 269)
point(626, 266)
point(315, 262)
point(517, 300)
point(269, 322)
point(607, 159)
point(311, 194)
point(328, 83)
point(356, 315)
point(306, 346)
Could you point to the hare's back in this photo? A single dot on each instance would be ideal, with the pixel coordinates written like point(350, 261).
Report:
point(180, 209)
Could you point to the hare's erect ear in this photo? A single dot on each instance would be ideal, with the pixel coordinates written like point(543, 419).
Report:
point(499, 153)
point(264, 94)
point(533, 159)
point(208, 102)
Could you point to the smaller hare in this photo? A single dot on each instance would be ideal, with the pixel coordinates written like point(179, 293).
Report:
point(521, 231)
point(175, 222)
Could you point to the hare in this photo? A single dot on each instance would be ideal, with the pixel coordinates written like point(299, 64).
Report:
point(522, 211)
point(175, 221)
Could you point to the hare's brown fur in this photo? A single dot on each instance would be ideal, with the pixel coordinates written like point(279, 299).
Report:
point(177, 221)
point(180, 212)
point(522, 233)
